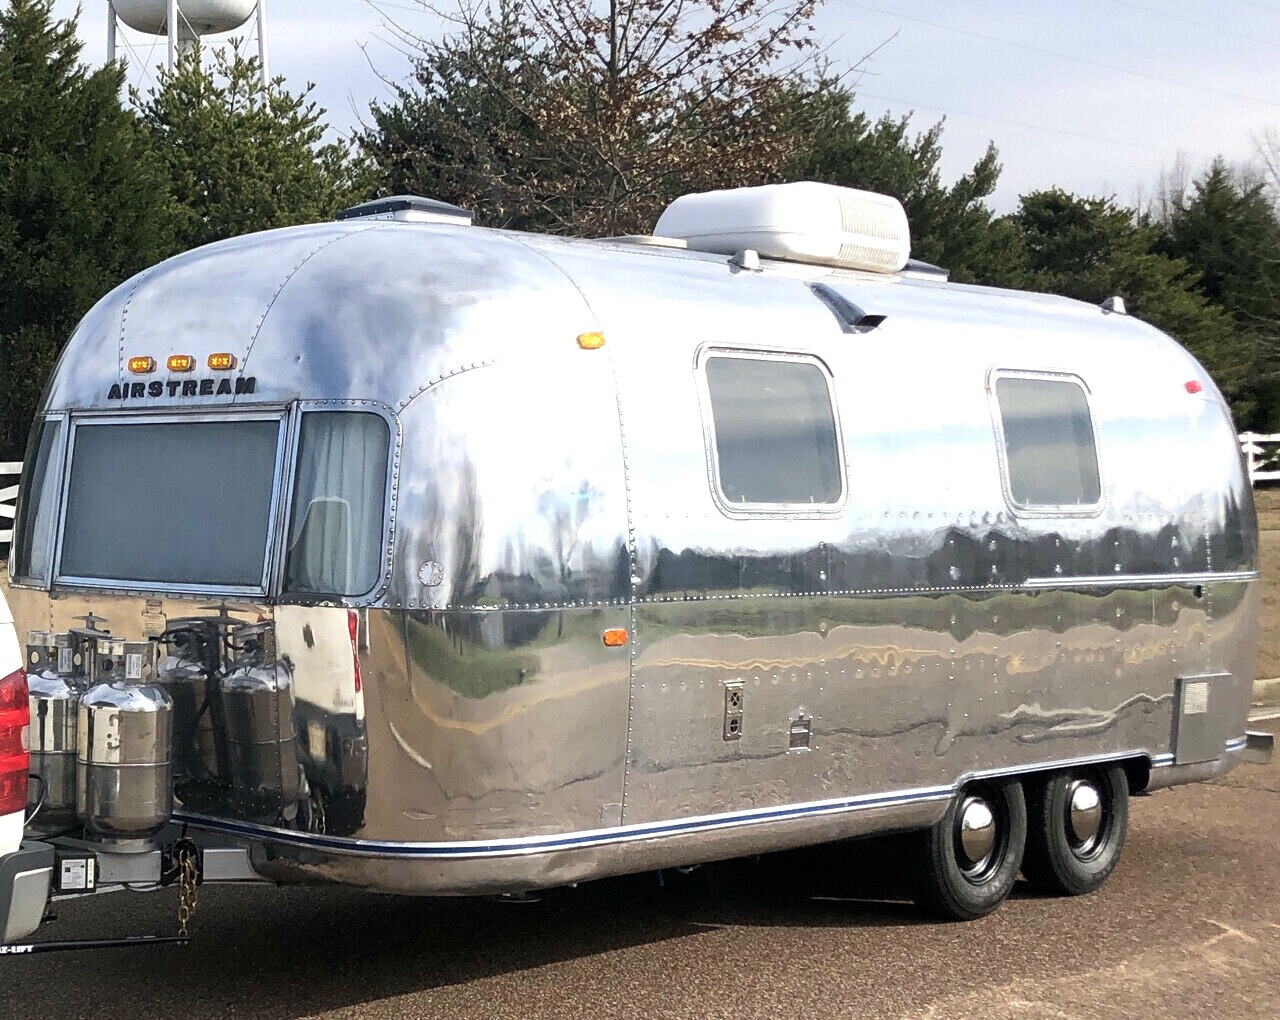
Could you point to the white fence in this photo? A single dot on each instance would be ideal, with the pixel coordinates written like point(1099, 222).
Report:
point(8, 497)
point(1262, 454)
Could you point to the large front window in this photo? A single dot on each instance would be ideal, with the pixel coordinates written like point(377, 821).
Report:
point(198, 504)
point(182, 503)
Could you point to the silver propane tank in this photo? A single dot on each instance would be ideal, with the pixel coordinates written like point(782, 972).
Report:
point(124, 782)
point(257, 697)
point(188, 673)
point(55, 682)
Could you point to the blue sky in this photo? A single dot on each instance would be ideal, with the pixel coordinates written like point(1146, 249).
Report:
point(1097, 96)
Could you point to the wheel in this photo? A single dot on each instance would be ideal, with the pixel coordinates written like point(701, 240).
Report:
point(1077, 824)
point(969, 860)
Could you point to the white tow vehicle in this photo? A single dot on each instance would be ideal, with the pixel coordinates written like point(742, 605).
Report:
point(26, 869)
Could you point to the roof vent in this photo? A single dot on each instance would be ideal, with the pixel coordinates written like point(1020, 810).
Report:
point(800, 222)
point(408, 209)
point(925, 270)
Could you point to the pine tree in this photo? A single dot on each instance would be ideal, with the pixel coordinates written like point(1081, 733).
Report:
point(951, 225)
point(1093, 248)
point(238, 159)
point(81, 200)
point(1228, 231)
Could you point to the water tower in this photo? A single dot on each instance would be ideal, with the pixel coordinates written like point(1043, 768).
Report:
point(185, 21)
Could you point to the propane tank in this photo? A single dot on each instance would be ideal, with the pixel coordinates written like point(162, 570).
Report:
point(188, 673)
point(54, 686)
point(257, 697)
point(124, 770)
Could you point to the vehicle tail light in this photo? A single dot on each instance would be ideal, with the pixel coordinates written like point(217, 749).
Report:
point(353, 628)
point(15, 758)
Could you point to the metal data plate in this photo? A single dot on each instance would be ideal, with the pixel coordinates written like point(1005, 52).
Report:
point(1198, 724)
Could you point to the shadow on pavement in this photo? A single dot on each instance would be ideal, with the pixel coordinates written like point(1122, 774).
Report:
point(290, 953)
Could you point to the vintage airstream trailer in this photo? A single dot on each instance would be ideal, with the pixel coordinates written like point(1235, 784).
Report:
point(468, 561)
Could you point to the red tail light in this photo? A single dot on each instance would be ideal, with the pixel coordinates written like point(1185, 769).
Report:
point(353, 628)
point(15, 759)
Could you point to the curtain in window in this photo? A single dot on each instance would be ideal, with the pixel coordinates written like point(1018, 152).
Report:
point(335, 534)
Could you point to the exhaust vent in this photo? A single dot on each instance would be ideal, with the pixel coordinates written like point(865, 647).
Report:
point(802, 222)
point(408, 209)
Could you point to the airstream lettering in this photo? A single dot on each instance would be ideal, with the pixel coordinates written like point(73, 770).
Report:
point(184, 388)
point(519, 561)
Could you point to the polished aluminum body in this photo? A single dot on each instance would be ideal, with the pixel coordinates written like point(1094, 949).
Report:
point(923, 632)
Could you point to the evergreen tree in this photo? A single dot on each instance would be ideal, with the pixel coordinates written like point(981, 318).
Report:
point(1093, 248)
point(80, 200)
point(1228, 231)
point(950, 225)
point(238, 160)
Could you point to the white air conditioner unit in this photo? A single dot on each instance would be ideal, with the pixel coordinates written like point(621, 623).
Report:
point(801, 222)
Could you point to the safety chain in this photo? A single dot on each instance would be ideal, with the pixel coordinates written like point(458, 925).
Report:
point(187, 895)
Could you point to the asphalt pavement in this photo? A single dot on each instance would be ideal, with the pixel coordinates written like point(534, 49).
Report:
point(1188, 926)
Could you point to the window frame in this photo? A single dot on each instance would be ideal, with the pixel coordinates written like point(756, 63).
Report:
point(280, 415)
point(280, 542)
point(1094, 509)
point(271, 588)
point(56, 469)
point(739, 510)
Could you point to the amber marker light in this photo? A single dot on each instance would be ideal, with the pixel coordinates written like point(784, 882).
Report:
point(590, 341)
point(141, 366)
point(222, 362)
point(615, 637)
point(181, 362)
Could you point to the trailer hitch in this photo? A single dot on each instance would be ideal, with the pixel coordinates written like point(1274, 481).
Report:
point(130, 942)
point(181, 866)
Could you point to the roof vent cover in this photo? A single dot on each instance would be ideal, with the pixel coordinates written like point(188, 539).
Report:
point(408, 209)
point(801, 222)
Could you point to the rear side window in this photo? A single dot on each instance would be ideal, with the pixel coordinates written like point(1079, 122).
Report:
point(774, 435)
point(1049, 452)
point(339, 500)
point(38, 504)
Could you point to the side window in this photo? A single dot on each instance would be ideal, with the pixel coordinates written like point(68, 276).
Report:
point(38, 503)
point(1049, 453)
point(775, 444)
point(336, 528)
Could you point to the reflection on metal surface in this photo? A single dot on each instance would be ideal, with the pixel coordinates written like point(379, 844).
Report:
point(976, 834)
point(1084, 815)
point(786, 678)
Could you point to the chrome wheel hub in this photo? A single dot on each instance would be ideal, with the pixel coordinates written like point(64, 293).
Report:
point(1084, 816)
point(975, 835)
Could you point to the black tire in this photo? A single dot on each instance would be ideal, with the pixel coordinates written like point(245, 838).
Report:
point(949, 884)
point(1058, 862)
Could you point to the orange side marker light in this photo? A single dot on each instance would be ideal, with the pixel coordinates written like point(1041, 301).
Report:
point(590, 341)
point(615, 637)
